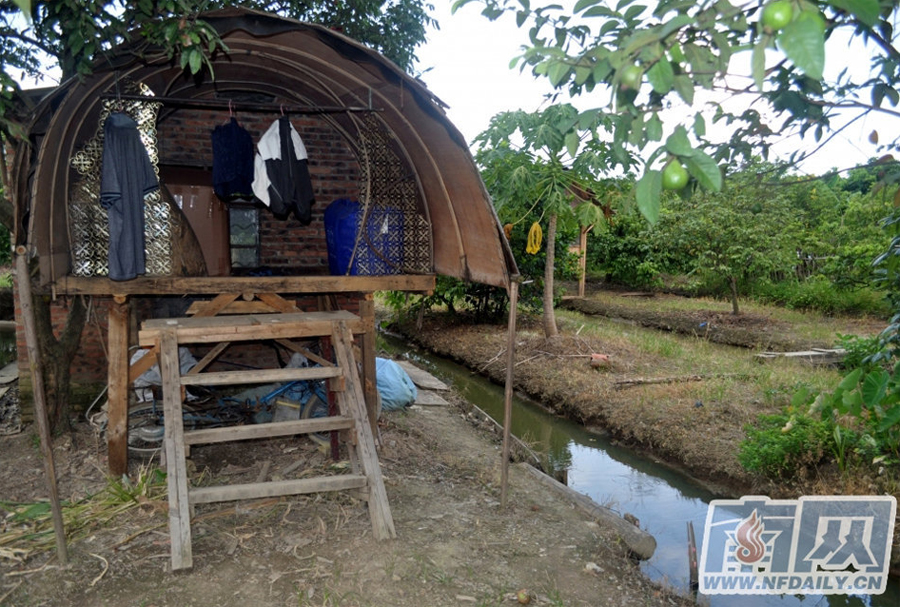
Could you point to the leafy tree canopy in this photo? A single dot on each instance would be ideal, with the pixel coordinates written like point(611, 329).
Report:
point(663, 73)
point(37, 36)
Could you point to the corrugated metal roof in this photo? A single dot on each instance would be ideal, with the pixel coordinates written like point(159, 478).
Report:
point(308, 65)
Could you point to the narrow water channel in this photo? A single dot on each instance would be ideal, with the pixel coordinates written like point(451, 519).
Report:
point(663, 500)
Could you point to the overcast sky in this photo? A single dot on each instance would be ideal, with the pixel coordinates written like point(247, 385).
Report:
point(469, 70)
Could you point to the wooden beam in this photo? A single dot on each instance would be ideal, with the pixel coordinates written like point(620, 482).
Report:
point(177, 285)
point(142, 364)
point(304, 352)
point(216, 305)
point(278, 302)
point(176, 473)
point(259, 376)
point(119, 377)
point(286, 428)
point(26, 304)
point(353, 403)
point(216, 329)
point(206, 495)
point(369, 375)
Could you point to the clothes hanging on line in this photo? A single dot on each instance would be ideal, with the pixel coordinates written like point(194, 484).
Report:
point(281, 172)
point(232, 169)
point(126, 177)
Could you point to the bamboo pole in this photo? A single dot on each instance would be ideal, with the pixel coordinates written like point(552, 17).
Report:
point(508, 390)
point(40, 406)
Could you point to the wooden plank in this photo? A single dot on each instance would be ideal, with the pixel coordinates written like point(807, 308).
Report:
point(305, 352)
point(26, 306)
point(277, 302)
point(286, 428)
point(142, 364)
point(259, 376)
point(213, 285)
point(209, 358)
point(353, 403)
point(207, 495)
point(185, 324)
point(118, 376)
point(236, 307)
point(179, 506)
point(244, 328)
point(368, 347)
point(421, 377)
point(428, 398)
point(218, 303)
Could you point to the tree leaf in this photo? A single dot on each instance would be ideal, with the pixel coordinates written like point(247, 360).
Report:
point(705, 170)
point(864, 10)
point(647, 191)
point(803, 41)
point(572, 143)
point(654, 127)
point(196, 59)
point(685, 87)
point(678, 143)
point(758, 63)
point(661, 76)
point(874, 387)
point(699, 125)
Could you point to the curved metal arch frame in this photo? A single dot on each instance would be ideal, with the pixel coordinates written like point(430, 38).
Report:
point(466, 235)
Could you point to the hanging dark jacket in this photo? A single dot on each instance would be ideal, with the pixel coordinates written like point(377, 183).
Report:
point(282, 180)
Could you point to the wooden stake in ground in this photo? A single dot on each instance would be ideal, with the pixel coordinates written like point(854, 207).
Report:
point(40, 405)
point(507, 392)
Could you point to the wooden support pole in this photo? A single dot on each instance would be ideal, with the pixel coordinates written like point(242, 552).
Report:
point(508, 390)
point(40, 406)
point(582, 260)
point(118, 376)
point(369, 375)
point(176, 473)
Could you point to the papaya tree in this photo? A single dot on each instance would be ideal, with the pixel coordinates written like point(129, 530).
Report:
point(535, 172)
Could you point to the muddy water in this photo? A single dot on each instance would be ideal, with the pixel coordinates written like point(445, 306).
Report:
point(663, 500)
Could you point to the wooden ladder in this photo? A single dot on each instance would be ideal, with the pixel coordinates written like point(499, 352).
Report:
point(343, 379)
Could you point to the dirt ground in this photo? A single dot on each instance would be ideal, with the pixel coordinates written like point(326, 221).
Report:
point(454, 545)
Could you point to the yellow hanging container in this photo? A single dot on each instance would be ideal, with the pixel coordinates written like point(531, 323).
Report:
point(535, 236)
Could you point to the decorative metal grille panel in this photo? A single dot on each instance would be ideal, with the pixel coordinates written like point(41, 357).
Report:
point(399, 236)
point(89, 222)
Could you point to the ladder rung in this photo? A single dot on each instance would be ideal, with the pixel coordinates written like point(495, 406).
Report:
point(259, 376)
point(286, 428)
point(207, 495)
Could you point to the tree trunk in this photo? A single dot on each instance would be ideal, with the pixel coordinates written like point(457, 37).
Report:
point(549, 317)
point(732, 281)
point(57, 355)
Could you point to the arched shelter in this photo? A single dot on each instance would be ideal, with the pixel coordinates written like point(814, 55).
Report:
point(398, 147)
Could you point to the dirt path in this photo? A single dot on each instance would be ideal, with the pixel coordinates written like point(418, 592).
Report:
point(455, 545)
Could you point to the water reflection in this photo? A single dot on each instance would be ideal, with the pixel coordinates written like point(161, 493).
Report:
point(662, 499)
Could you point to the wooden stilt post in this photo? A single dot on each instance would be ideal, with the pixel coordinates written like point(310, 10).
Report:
point(40, 406)
point(367, 341)
point(117, 427)
point(582, 260)
point(507, 393)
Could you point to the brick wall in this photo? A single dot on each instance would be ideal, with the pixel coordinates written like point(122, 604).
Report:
point(183, 138)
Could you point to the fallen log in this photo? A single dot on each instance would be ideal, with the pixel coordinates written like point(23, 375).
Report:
point(640, 543)
point(640, 381)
